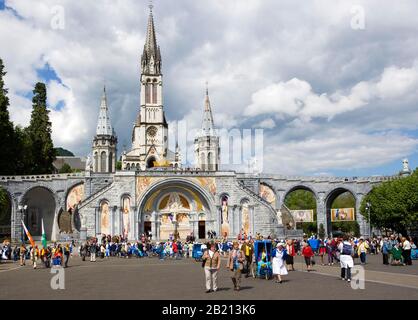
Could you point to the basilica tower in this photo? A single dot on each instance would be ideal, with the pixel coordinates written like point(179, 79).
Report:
point(150, 131)
point(105, 141)
point(207, 150)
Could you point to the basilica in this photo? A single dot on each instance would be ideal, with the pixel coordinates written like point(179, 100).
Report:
point(152, 194)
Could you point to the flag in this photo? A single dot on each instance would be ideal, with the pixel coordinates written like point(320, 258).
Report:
point(28, 235)
point(43, 235)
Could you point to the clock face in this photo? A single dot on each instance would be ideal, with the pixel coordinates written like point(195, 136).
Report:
point(152, 132)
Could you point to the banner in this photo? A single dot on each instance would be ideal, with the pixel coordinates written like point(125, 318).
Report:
point(28, 235)
point(302, 215)
point(342, 214)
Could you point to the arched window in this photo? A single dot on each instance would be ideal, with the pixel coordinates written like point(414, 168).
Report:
point(202, 161)
point(96, 162)
point(110, 161)
point(154, 93)
point(128, 166)
point(210, 161)
point(148, 92)
point(103, 162)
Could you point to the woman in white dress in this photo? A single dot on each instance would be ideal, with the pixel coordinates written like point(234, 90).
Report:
point(279, 266)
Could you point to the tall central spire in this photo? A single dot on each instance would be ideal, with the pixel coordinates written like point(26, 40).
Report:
point(208, 124)
point(104, 127)
point(151, 56)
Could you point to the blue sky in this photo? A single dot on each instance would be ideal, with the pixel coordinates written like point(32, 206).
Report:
point(332, 99)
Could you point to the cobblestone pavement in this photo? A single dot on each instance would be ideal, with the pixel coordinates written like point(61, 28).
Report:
point(149, 278)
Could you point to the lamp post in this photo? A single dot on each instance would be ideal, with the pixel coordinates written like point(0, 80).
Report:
point(22, 210)
point(368, 206)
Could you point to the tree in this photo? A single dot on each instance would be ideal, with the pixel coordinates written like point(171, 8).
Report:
point(66, 168)
point(393, 204)
point(42, 150)
point(63, 152)
point(7, 136)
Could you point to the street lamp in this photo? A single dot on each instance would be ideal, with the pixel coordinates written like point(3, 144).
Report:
point(22, 210)
point(368, 206)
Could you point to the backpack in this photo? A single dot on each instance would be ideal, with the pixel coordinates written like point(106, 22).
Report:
point(347, 249)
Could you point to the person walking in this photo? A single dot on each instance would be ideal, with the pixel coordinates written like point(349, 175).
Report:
point(307, 253)
point(212, 263)
point(279, 268)
point(291, 253)
point(346, 258)
point(362, 250)
point(322, 251)
point(236, 264)
point(22, 254)
point(34, 255)
point(248, 250)
point(93, 250)
point(67, 253)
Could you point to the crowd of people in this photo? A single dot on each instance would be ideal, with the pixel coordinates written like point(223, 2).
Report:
point(240, 255)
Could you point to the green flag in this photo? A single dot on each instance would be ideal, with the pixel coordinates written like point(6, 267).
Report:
point(43, 235)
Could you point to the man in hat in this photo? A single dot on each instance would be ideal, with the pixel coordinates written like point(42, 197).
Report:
point(236, 264)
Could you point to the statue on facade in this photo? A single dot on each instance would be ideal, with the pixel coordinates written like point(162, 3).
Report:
point(89, 163)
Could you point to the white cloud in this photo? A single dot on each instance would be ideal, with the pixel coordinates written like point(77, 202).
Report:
point(272, 64)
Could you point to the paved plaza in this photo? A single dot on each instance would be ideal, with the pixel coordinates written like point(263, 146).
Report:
point(150, 278)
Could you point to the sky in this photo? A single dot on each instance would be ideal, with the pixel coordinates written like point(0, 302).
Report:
point(333, 84)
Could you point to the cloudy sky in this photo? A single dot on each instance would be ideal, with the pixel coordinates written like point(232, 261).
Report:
point(334, 84)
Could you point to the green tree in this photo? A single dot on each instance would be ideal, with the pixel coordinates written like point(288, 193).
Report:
point(344, 200)
point(301, 199)
point(394, 204)
point(66, 168)
point(42, 150)
point(118, 165)
point(7, 136)
point(5, 212)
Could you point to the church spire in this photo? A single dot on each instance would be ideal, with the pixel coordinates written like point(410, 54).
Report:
point(104, 127)
point(151, 56)
point(207, 124)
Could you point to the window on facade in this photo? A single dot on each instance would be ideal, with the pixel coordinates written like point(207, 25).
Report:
point(103, 162)
point(154, 93)
point(110, 162)
point(96, 162)
point(148, 93)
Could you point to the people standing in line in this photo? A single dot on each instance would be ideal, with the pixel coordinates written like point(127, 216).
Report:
point(212, 263)
point(248, 250)
point(346, 258)
point(278, 262)
point(406, 251)
point(307, 253)
point(22, 254)
point(236, 264)
point(291, 253)
point(362, 250)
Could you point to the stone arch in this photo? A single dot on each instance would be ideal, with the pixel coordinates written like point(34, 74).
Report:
point(6, 215)
point(300, 187)
point(176, 184)
point(42, 203)
point(329, 199)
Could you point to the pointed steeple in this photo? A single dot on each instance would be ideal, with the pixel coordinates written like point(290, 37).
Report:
point(104, 127)
point(207, 124)
point(151, 56)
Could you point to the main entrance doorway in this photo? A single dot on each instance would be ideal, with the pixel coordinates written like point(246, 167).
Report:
point(147, 227)
point(202, 230)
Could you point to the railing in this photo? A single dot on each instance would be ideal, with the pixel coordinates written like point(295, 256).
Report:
point(42, 177)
